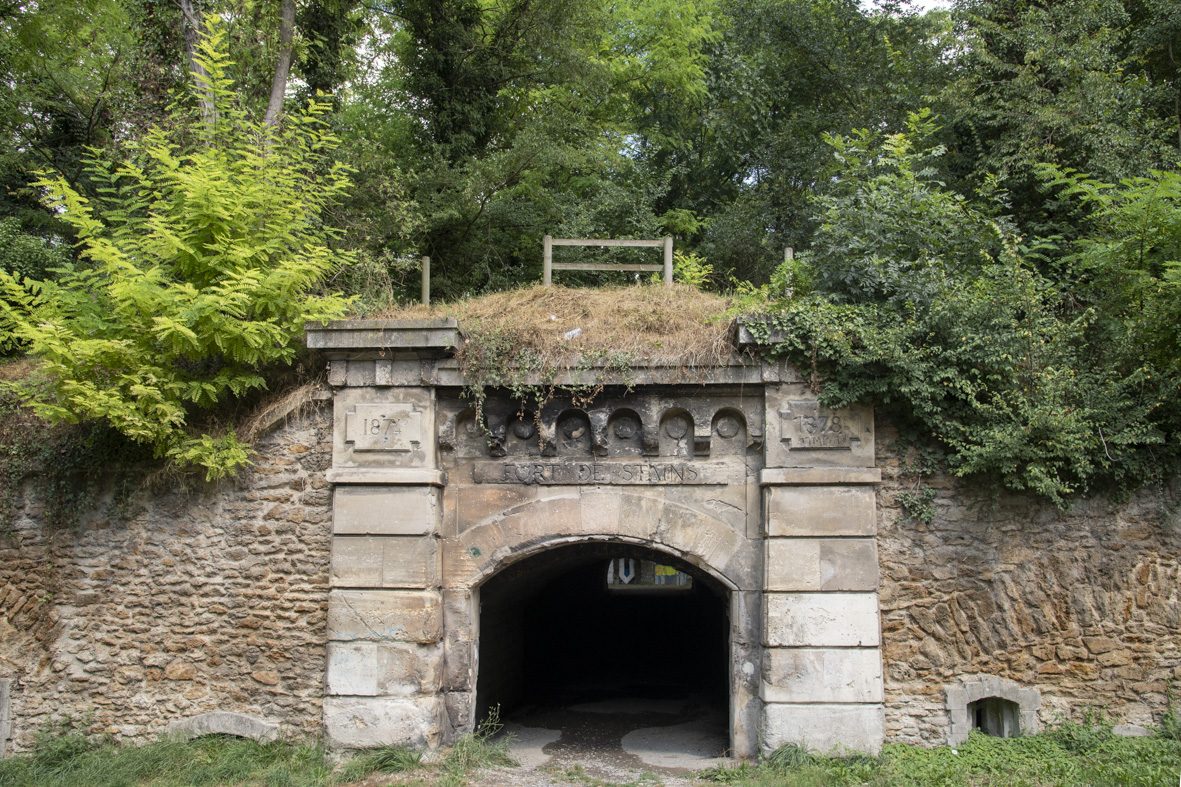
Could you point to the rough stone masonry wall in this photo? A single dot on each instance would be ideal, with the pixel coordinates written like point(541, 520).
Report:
point(211, 599)
point(1083, 605)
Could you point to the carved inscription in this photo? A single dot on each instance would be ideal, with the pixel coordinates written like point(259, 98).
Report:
point(604, 473)
point(805, 424)
point(384, 427)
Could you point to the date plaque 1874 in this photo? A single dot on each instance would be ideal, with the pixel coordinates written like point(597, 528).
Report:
point(384, 427)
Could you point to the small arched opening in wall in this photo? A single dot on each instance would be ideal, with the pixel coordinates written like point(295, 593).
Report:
point(993, 705)
point(606, 632)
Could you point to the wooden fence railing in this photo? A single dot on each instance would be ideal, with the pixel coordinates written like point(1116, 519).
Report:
point(550, 266)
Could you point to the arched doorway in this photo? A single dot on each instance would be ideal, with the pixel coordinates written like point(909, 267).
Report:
point(610, 629)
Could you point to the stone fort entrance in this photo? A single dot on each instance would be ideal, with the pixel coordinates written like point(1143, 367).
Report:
point(713, 527)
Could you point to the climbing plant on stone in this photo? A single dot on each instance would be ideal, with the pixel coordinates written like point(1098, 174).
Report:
point(197, 269)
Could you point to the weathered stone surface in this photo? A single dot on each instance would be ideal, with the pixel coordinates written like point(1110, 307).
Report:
point(372, 669)
point(385, 615)
point(821, 620)
point(821, 564)
point(821, 511)
point(224, 723)
point(384, 561)
point(377, 510)
point(802, 433)
point(365, 722)
point(1131, 731)
point(824, 675)
point(409, 411)
point(825, 728)
point(1013, 588)
point(138, 622)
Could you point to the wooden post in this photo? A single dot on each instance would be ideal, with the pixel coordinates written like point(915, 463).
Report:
point(789, 254)
point(547, 262)
point(426, 281)
point(668, 260)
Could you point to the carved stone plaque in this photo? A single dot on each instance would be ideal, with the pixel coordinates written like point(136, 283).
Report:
point(806, 425)
point(384, 427)
point(568, 472)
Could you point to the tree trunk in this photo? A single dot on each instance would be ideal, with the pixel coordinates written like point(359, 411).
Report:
point(283, 67)
point(191, 26)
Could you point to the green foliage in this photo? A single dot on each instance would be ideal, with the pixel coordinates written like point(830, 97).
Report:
point(28, 256)
point(691, 269)
point(1064, 83)
point(497, 357)
point(967, 341)
point(1068, 755)
point(198, 261)
point(66, 757)
point(60, 461)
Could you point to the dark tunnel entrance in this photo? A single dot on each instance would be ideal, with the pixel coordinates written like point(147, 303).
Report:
point(596, 622)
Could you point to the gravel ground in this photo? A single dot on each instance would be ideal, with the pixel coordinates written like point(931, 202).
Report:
point(642, 742)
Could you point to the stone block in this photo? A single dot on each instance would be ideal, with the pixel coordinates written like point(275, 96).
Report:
point(825, 728)
point(837, 675)
point(460, 707)
point(378, 669)
point(800, 432)
point(804, 620)
point(404, 421)
point(460, 565)
point(224, 723)
point(480, 502)
point(600, 512)
point(367, 722)
point(821, 564)
point(385, 615)
point(385, 510)
point(821, 511)
point(384, 561)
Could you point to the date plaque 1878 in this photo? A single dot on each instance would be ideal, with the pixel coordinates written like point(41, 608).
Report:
point(807, 425)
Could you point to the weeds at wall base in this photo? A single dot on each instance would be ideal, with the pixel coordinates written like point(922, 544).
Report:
point(64, 756)
point(1068, 755)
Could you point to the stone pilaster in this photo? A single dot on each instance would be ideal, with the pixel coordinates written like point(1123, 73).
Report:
point(822, 667)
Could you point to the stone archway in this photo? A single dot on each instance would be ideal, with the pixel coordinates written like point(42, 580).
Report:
point(596, 516)
point(743, 476)
point(565, 629)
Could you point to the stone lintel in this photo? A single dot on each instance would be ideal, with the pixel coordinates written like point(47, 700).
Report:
point(807, 476)
point(224, 723)
point(825, 728)
point(440, 335)
point(386, 476)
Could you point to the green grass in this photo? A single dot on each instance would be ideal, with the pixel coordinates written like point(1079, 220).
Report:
point(1067, 756)
point(65, 758)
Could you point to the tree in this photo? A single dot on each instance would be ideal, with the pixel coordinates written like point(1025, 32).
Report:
point(198, 261)
point(1063, 83)
point(967, 342)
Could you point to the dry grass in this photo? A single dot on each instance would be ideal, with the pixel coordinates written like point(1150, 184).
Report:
point(278, 409)
point(667, 326)
point(16, 369)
